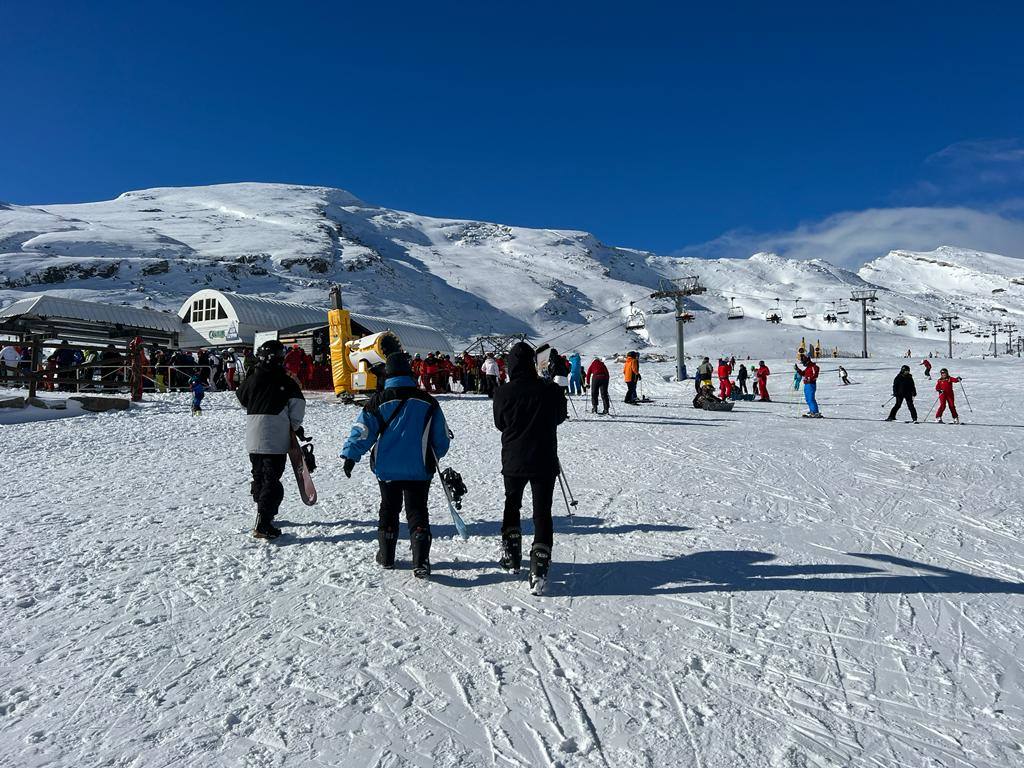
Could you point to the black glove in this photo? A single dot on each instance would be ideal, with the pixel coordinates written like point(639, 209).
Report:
point(349, 464)
point(300, 433)
point(639, 377)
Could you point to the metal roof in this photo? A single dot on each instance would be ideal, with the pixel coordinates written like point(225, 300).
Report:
point(59, 313)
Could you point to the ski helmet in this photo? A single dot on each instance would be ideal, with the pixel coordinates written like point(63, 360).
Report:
point(271, 352)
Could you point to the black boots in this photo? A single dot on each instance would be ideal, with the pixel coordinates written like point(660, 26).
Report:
point(540, 559)
point(511, 550)
point(265, 529)
point(386, 542)
point(421, 539)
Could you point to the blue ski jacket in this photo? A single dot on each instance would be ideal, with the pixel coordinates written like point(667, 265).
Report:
point(575, 367)
point(399, 426)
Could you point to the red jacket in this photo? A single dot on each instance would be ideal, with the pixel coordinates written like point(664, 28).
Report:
point(597, 370)
point(724, 370)
point(762, 373)
point(810, 373)
point(293, 361)
point(945, 387)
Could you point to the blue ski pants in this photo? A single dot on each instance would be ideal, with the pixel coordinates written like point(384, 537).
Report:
point(810, 388)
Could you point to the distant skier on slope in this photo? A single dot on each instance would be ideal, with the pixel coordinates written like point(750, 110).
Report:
point(724, 383)
point(809, 373)
point(528, 411)
point(274, 408)
point(598, 379)
point(575, 374)
point(762, 373)
point(631, 375)
point(844, 377)
point(405, 432)
point(903, 389)
point(704, 372)
point(944, 386)
point(741, 379)
point(927, 367)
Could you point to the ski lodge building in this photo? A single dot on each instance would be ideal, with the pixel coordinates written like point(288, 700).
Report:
point(208, 318)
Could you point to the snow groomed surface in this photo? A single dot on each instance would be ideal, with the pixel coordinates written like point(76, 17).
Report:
point(743, 589)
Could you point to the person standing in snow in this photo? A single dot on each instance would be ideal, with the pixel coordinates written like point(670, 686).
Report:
point(724, 383)
point(575, 374)
point(10, 359)
point(762, 373)
point(944, 386)
point(703, 377)
point(198, 390)
point(274, 408)
point(598, 379)
point(631, 375)
point(844, 377)
point(491, 372)
point(741, 379)
point(404, 430)
point(230, 370)
point(527, 412)
point(903, 389)
point(927, 368)
point(809, 374)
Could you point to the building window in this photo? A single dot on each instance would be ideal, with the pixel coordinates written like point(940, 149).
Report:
point(204, 310)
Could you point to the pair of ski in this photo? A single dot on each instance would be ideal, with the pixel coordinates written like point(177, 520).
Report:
point(303, 463)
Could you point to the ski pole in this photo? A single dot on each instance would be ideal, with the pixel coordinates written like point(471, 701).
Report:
point(888, 401)
point(934, 402)
point(966, 399)
point(568, 505)
point(575, 412)
point(565, 480)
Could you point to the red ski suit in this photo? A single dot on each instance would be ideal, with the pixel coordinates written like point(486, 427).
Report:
point(762, 375)
point(724, 385)
point(946, 397)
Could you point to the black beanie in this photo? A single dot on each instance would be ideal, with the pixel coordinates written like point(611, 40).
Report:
point(398, 365)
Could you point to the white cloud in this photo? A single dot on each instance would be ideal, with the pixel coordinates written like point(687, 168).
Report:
point(849, 239)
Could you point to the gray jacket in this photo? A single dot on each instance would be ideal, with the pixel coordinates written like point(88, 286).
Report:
point(275, 407)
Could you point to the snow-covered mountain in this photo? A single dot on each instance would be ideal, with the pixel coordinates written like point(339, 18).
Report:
point(157, 246)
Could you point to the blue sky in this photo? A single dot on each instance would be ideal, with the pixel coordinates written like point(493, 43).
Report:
point(650, 124)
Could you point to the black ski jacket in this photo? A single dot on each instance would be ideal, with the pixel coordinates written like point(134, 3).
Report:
point(274, 406)
point(903, 386)
point(528, 411)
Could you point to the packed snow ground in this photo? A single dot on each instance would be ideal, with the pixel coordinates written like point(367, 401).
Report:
point(737, 589)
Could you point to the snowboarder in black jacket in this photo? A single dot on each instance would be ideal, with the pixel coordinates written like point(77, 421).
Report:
point(528, 411)
point(275, 407)
point(903, 389)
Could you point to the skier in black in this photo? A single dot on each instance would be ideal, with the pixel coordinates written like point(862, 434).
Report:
point(741, 378)
point(275, 408)
point(528, 411)
point(903, 389)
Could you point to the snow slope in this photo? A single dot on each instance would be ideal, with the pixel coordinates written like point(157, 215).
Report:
point(157, 246)
point(737, 589)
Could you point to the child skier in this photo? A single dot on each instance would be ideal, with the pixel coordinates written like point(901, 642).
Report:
point(405, 432)
point(903, 389)
point(927, 368)
point(944, 386)
point(198, 390)
point(741, 379)
point(809, 373)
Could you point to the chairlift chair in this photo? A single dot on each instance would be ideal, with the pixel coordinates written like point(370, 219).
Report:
point(735, 312)
point(842, 309)
point(798, 312)
point(940, 328)
point(636, 320)
point(774, 315)
point(922, 325)
point(901, 320)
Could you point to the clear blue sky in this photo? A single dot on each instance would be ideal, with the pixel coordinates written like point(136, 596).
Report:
point(651, 125)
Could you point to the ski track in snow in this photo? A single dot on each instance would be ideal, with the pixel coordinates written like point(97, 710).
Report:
point(749, 589)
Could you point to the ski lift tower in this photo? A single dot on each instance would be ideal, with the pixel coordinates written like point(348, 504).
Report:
point(948, 319)
point(864, 296)
point(678, 290)
point(996, 328)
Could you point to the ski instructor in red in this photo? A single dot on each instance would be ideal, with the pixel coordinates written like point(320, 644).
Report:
point(274, 408)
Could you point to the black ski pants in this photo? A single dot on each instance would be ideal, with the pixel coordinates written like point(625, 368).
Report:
point(414, 493)
point(266, 487)
point(743, 386)
point(543, 491)
point(631, 392)
point(599, 386)
point(899, 403)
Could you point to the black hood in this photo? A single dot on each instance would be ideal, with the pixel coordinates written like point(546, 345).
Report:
point(522, 362)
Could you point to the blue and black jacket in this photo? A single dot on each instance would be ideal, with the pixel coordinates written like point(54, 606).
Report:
point(403, 428)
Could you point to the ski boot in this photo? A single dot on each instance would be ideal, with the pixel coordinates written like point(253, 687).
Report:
point(387, 540)
point(939, 420)
point(890, 418)
point(421, 539)
point(540, 559)
point(511, 550)
point(265, 530)
point(956, 421)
